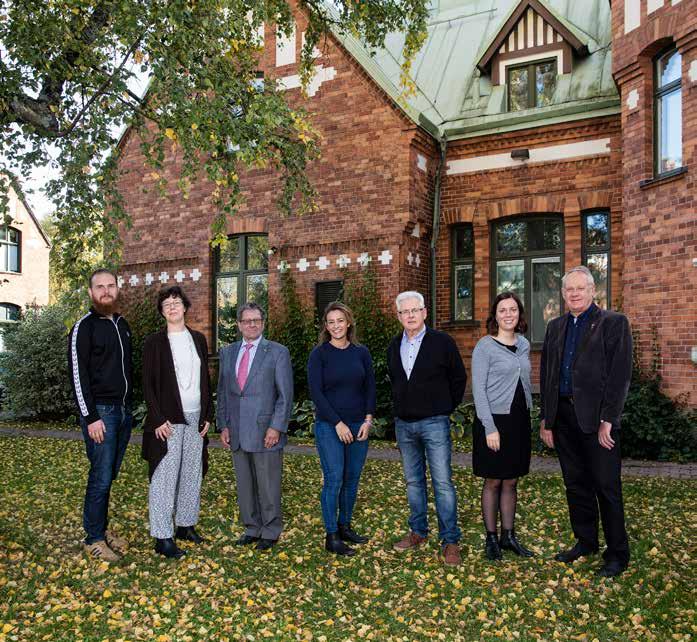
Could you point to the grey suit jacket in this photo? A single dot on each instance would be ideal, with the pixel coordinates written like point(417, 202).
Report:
point(265, 401)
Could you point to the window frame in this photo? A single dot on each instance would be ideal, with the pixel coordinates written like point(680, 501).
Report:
point(607, 249)
point(241, 274)
point(454, 264)
point(527, 258)
point(659, 93)
point(6, 305)
point(532, 86)
point(318, 286)
point(6, 242)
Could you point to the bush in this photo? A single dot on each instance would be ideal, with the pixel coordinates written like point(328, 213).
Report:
point(34, 365)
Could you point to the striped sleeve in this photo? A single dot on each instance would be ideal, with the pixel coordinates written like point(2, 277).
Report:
point(78, 358)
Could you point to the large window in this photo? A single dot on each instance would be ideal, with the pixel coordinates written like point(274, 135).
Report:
point(9, 313)
point(668, 112)
point(531, 85)
point(9, 249)
point(241, 275)
point(462, 273)
point(527, 259)
point(596, 253)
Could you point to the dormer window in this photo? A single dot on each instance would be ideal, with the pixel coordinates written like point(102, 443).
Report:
point(531, 84)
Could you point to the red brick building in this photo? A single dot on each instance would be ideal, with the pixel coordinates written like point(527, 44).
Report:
point(543, 134)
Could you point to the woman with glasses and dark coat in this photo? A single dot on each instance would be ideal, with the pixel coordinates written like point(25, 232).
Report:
point(502, 434)
point(177, 391)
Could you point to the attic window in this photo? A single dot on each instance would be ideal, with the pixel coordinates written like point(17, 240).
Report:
point(531, 84)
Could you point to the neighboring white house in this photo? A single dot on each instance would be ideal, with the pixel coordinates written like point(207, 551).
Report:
point(24, 252)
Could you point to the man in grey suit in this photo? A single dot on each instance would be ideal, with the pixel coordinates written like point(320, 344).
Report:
point(255, 397)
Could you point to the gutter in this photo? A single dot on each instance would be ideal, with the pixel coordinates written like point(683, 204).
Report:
point(435, 227)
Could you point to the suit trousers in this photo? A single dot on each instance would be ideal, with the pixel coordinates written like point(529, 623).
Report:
point(259, 492)
point(592, 477)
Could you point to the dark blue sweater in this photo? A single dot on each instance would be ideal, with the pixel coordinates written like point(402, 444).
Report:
point(342, 383)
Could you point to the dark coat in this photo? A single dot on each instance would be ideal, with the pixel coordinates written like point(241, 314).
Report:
point(162, 398)
point(437, 382)
point(601, 371)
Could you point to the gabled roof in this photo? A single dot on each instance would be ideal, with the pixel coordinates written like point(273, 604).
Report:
point(575, 38)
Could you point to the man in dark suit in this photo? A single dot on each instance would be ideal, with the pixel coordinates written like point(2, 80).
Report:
point(585, 372)
point(428, 382)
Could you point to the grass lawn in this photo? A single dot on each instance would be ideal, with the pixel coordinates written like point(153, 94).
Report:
point(50, 591)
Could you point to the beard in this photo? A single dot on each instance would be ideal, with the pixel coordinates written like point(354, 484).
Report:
point(106, 308)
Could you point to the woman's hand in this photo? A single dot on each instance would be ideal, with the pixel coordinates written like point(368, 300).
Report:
point(363, 431)
point(204, 431)
point(164, 431)
point(494, 441)
point(344, 432)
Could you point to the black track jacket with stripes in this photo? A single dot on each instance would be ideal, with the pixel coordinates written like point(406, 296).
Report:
point(99, 359)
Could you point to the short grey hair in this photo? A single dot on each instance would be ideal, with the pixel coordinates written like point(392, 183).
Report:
point(410, 294)
point(583, 270)
point(248, 307)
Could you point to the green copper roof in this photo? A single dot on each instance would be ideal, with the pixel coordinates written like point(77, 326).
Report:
point(452, 96)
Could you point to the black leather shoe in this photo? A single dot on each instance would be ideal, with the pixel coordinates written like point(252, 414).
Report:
point(333, 544)
point(168, 548)
point(574, 553)
point(611, 569)
point(349, 535)
point(246, 540)
point(510, 542)
point(189, 534)
point(265, 544)
point(492, 548)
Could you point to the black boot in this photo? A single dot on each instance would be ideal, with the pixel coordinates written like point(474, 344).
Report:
point(349, 535)
point(334, 544)
point(189, 534)
point(491, 547)
point(510, 542)
point(168, 548)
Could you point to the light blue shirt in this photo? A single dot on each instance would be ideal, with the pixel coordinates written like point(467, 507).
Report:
point(409, 350)
point(252, 352)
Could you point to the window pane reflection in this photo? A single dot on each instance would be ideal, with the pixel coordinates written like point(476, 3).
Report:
point(598, 265)
point(518, 89)
point(545, 82)
point(669, 68)
point(546, 285)
point(226, 301)
point(257, 252)
point(510, 276)
point(670, 137)
point(463, 292)
point(597, 230)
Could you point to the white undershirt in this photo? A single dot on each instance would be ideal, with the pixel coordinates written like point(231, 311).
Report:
point(186, 358)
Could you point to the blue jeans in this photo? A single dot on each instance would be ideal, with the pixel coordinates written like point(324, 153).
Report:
point(341, 466)
point(105, 462)
point(428, 440)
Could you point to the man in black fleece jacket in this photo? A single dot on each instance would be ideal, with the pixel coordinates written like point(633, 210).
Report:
point(428, 382)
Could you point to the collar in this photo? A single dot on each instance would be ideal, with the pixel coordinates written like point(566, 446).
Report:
point(581, 318)
point(418, 337)
point(255, 343)
point(116, 315)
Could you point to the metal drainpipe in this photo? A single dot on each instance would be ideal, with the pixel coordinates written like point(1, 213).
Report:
point(435, 228)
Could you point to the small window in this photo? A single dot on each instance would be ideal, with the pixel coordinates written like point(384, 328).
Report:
point(531, 85)
point(596, 253)
point(327, 292)
point(9, 249)
point(9, 313)
point(462, 273)
point(241, 275)
point(668, 112)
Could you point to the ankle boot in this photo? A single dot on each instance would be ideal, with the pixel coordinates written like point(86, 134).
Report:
point(349, 535)
point(491, 547)
point(168, 548)
point(510, 542)
point(333, 544)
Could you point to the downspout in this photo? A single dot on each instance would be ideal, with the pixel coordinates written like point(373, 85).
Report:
point(435, 227)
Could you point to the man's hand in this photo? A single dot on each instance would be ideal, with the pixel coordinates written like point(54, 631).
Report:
point(547, 436)
point(344, 433)
point(494, 441)
point(604, 438)
point(225, 437)
point(272, 437)
point(164, 431)
point(96, 430)
point(204, 431)
point(363, 431)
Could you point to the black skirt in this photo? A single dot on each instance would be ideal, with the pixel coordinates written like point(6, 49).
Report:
point(513, 458)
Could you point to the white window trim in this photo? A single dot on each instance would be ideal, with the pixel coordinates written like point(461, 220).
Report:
point(512, 62)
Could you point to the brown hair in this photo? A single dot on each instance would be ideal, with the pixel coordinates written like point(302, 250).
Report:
point(493, 327)
point(337, 306)
point(174, 292)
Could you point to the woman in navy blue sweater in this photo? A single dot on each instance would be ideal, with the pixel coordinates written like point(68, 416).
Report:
point(342, 387)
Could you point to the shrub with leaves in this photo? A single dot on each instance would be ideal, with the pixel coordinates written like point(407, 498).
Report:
point(34, 365)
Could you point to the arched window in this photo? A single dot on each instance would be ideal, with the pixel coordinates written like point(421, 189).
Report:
point(9, 313)
point(668, 112)
point(527, 258)
point(241, 275)
point(9, 249)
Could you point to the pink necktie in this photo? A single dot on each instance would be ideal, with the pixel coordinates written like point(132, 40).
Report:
point(243, 370)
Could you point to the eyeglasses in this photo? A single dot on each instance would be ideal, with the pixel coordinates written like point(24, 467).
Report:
point(580, 290)
point(173, 305)
point(251, 321)
point(409, 312)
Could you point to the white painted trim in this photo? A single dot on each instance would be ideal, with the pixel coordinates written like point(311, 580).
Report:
point(632, 15)
point(653, 5)
point(322, 75)
point(600, 146)
point(285, 49)
point(509, 62)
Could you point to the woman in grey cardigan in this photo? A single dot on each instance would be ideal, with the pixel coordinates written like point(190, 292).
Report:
point(501, 432)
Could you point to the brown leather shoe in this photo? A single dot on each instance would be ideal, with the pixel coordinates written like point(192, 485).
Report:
point(411, 540)
point(101, 551)
point(451, 555)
